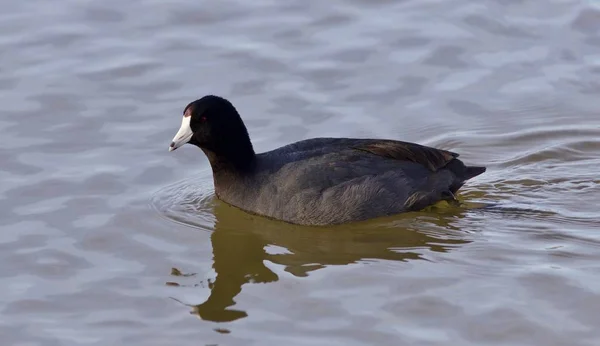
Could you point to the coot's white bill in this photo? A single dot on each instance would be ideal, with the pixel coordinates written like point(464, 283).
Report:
point(183, 135)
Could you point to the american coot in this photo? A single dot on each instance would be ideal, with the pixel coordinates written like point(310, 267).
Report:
point(319, 181)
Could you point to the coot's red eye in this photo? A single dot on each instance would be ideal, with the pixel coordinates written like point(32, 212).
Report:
point(203, 119)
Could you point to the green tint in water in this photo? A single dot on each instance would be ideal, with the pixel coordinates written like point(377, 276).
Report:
point(241, 243)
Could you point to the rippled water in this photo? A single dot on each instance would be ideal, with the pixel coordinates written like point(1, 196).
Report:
point(106, 238)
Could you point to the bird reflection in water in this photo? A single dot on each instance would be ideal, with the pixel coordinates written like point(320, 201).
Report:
point(240, 246)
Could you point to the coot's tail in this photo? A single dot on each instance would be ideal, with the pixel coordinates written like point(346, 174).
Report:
point(463, 173)
point(472, 171)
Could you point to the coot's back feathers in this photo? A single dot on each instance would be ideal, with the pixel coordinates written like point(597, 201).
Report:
point(432, 158)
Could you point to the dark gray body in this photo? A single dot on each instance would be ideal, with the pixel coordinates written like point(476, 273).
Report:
point(324, 181)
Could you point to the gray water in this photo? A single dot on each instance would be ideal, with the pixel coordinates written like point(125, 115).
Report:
point(106, 238)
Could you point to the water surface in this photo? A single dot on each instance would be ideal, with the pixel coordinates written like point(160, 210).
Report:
point(106, 238)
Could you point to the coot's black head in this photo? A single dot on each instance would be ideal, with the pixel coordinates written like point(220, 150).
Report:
point(213, 124)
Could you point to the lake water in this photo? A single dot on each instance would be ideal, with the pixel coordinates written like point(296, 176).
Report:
point(106, 238)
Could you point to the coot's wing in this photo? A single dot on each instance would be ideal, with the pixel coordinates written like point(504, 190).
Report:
point(432, 158)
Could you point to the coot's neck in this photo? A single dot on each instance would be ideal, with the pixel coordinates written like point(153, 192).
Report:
point(229, 169)
point(229, 161)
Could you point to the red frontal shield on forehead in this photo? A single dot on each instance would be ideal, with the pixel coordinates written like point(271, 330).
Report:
point(187, 112)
